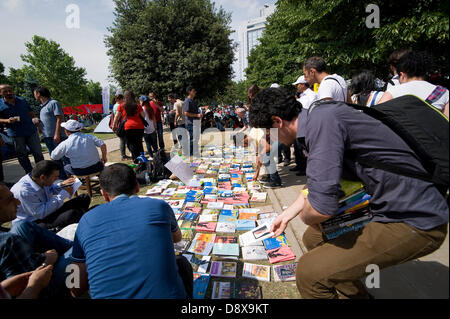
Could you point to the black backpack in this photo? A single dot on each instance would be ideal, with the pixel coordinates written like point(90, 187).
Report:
point(423, 127)
point(158, 169)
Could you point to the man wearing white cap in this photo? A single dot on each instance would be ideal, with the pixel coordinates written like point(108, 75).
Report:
point(306, 95)
point(81, 149)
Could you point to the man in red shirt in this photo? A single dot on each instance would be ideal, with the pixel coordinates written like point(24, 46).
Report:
point(158, 109)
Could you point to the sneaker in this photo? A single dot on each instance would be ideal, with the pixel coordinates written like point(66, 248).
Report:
point(265, 179)
point(272, 185)
point(286, 163)
point(294, 169)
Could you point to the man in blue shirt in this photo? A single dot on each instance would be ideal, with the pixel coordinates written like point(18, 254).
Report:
point(81, 149)
point(410, 216)
point(193, 120)
point(125, 248)
point(43, 202)
point(17, 115)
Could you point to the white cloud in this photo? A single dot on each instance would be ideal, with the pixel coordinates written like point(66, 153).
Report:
point(11, 5)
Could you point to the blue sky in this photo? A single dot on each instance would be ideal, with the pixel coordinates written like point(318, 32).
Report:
point(21, 19)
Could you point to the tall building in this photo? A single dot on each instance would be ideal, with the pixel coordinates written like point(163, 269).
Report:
point(249, 34)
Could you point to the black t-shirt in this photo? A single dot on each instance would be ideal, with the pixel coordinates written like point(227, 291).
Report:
point(190, 106)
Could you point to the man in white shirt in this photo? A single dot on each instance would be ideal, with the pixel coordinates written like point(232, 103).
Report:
point(332, 87)
point(81, 149)
point(307, 96)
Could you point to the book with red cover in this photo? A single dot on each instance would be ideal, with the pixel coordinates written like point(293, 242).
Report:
point(206, 227)
point(283, 253)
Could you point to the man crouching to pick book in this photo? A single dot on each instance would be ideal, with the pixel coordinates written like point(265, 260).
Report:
point(126, 245)
point(410, 216)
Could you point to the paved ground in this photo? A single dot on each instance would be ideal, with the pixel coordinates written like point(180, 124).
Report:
point(424, 278)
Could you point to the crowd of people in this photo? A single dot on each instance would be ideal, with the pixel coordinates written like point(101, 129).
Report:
point(124, 248)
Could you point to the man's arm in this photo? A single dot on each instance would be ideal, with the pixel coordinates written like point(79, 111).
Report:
point(57, 136)
point(189, 114)
point(104, 153)
point(445, 110)
point(177, 236)
point(35, 206)
point(387, 96)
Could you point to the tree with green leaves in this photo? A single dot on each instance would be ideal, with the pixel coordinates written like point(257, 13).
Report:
point(3, 78)
point(337, 31)
point(167, 45)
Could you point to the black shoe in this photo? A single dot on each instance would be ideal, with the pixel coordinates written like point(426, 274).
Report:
point(265, 179)
point(286, 163)
point(294, 169)
point(272, 185)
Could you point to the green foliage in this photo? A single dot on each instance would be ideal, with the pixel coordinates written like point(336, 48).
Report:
point(166, 45)
point(94, 93)
point(3, 78)
point(234, 94)
point(336, 30)
point(47, 62)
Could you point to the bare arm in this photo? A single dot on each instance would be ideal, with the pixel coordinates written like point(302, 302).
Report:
point(57, 137)
point(104, 153)
point(445, 110)
point(176, 236)
point(386, 97)
point(116, 120)
point(199, 116)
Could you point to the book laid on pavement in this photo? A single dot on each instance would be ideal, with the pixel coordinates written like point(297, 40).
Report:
point(245, 290)
point(259, 272)
point(201, 282)
point(181, 246)
point(284, 272)
point(226, 249)
point(283, 253)
point(223, 269)
point(225, 227)
point(249, 216)
point(258, 197)
point(207, 218)
point(254, 253)
point(221, 290)
point(257, 234)
point(199, 263)
point(272, 243)
point(245, 225)
point(225, 240)
point(206, 226)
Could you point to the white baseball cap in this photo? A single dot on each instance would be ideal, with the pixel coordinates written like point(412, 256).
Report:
point(300, 80)
point(275, 85)
point(72, 126)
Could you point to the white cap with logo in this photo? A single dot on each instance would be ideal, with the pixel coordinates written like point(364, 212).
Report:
point(300, 80)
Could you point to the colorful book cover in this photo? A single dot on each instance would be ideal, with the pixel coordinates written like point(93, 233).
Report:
point(192, 209)
point(249, 211)
point(283, 253)
point(175, 203)
point(248, 216)
point(230, 213)
point(209, 238)
point(207, 218)
point(201, 282)
point(208, 211)
point(245, 290)
point(206, 227)
point(187, 234)
point(259, 197)
point(227, 219)
point(189, 216)
point(255, 235)
point(223, 269)
point(200, 247)
point(226, 249)
point(221, 290)
point(225, 227)
point(187, 224)
point(241, 205)
point(245, 225)
point(192, 204)
point(254, 253)
point(226, 240)
point(215, 205)
point(284, 272)
point(259, 272)
point(272, 243)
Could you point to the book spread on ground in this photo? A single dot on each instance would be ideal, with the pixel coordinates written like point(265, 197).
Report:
point(226, 249)
point(257, 234)
point(254, 253)
point(199, 263)
point(221, 290)
point(272, 243)
point(225, 228)
point(245, 290)
point(201, 282)
point(283, 253)
point(284, 272)
point(180, 169)
point(223, 269)
point(259, 272)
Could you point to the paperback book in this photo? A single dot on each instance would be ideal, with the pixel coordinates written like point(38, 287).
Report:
point(284, 272)
point(223, 269)
point(258, 272)
point(254, 253)
point(226, 240)
point(283, 253)
point(245, 225)
point(257, 234)
point(225, 227)
point(245, 290)
point(181, 246)
point(206, 226)
point(226, 249)
point(199, 263)
point(201, 282)
point(221, 290)
point(272, 243)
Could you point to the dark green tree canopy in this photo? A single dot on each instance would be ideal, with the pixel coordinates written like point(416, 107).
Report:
point(337, 31)
point(166, 45)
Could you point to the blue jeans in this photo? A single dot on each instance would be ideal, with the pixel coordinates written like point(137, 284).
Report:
point(42, 240)
point(34, 144)
point(159, 129)
point(271, 167)
point(151, 141)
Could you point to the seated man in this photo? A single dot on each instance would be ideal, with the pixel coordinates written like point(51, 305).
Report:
point(42, 201)
point(26, 247)
point(81, 149)
point(127, 245)
point(410, 215)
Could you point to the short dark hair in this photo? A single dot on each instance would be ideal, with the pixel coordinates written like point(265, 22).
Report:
point(118, 179)
point(43, 91)
point(362, 82)
point(394, 57)
point(189, 89)
point(171, 96)
point(415, 64)
point(45, 168)
point(273, 102)
point(317, 63)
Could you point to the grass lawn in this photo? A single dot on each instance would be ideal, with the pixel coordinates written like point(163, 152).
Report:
point(102, 136)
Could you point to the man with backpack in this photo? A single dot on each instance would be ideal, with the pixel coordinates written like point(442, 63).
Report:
point(332, 87)
point(410, 215)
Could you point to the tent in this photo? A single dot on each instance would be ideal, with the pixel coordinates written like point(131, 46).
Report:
point(103, 126)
